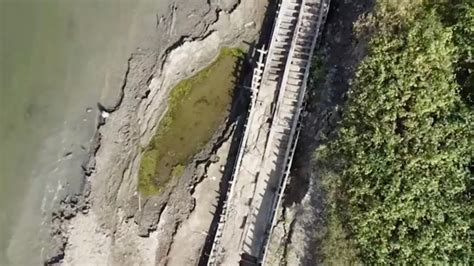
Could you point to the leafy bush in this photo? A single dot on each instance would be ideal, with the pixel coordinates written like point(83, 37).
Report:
point(459, 14)
point(398, 172)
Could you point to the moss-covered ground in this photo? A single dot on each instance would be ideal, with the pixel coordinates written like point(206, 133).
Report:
point(196, 107)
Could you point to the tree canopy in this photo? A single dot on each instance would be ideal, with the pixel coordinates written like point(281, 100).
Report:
point(399, 171)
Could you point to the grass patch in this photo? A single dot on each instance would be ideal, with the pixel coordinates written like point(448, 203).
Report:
point(196, 107)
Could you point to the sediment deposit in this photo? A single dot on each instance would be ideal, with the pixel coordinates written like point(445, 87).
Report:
point(110, 223)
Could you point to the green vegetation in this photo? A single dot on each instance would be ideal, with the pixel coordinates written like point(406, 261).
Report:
point(398, 172)
point(459, 15)
point(196, 107)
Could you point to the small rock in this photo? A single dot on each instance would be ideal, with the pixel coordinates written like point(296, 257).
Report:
point(69, 213)
point(104, 114)
point(74, 200)
point(214, 158)
point(200, 171)
point(251, 24)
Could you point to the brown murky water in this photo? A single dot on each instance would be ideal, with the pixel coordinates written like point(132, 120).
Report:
point(57, 58)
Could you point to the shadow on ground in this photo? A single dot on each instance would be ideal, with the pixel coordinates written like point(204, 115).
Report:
point(339, 53)
point(238, 115)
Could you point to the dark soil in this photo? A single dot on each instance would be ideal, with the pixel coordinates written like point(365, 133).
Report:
point(339, 54)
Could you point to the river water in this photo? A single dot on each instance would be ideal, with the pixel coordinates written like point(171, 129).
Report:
point(58, 58)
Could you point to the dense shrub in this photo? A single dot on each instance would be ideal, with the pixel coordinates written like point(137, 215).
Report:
point(398, 172)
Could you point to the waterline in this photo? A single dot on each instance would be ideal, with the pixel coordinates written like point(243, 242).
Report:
point(57, 58)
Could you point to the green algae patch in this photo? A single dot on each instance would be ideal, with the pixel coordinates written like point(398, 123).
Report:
point(196, 107)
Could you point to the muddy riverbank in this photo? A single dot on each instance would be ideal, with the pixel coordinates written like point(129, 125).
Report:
point(110, 223)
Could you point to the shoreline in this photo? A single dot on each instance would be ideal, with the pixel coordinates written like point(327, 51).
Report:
point(104, 218)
